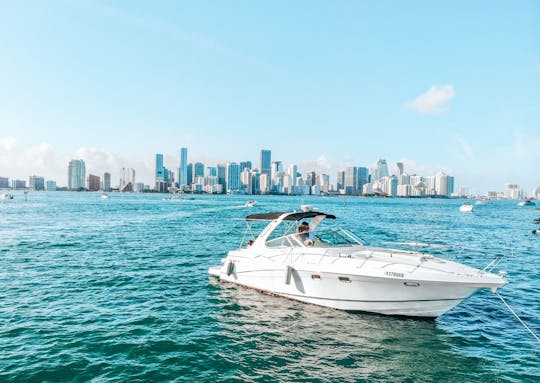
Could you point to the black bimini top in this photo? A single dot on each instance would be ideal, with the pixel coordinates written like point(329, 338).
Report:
point(294, 216)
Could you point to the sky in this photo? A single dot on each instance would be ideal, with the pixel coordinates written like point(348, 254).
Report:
point(445, 85)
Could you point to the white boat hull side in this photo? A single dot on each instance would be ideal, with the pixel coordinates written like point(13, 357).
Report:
point(380, 295)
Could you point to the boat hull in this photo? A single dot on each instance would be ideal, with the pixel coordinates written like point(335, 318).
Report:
point(351, 292)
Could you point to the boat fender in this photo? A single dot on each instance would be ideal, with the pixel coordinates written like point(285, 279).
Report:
point(229, 267)
point(287, 275)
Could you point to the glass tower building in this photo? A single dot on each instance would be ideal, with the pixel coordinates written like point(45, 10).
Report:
point(266, 161)
point(76, 174)
point(182, 170)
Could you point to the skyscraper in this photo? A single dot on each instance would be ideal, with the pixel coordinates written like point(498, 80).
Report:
point(107, 182)
point(160, 175)
point(198, 170)
point(76, 174)
point(266, 161)
point(400, 168)
point(363, 178)
point(351, 180)
point(182, 170)
point(233, 177)
point(382, 170)
point(36, 183)
point(94, 182)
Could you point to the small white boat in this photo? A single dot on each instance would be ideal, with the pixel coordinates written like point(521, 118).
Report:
point(332, 267)
point(250, 203)
point(481, 201)
point(466, 208)
point(105, 196)
point(536, 231)
point(6, 196)
point(526, 202)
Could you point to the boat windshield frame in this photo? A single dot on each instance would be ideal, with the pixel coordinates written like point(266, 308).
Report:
point(332, 237)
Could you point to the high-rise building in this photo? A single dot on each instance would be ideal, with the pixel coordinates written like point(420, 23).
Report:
point(189, 174)
point(4, 182)
point(127, 179)
point(107, 182)
point(351, 180)
point(198, 170)
point(76, 175)
point(94, 182)
point(400, 168)
point(232, 177)
point(160, 171)
point(182, 170)
point(221, 176)
point(211, 171)
point(362, 178)
point(382, 169)
point(245, 165)
point(340, 182)
point(18, 184)
point(292, 171)
point(266, 161)
point(444, 184)
point(36, 183)
point(50, 185)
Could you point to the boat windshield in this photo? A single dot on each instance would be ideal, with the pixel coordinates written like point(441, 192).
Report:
point(323, 238)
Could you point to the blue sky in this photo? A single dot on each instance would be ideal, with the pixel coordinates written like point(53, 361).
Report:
point(441, 85)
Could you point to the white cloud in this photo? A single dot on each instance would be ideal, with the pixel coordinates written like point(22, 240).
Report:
point(320, 165)
point(434, 101)
point(7, 143)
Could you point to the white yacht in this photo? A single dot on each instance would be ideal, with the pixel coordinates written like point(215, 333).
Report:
point(526, 202)
point(6, 196)
point(466, 208)
point(250, 203)
point(334, 268)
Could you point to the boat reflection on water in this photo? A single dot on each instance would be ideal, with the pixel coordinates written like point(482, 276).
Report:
point(321, 344)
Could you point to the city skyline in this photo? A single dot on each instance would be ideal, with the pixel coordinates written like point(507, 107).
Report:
point(327, 86)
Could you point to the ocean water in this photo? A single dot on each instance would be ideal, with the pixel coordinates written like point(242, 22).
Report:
point(117, 290)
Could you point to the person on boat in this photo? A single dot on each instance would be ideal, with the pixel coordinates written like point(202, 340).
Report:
point(303, 231)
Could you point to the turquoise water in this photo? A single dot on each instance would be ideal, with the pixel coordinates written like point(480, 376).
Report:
point(117, 290)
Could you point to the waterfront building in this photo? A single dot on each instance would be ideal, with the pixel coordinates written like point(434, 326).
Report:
point(340, 183)
point(293, 173)
point(323, 182)
point(50, 185)
point(362, 178)
point(94, 182)
point(245, 181)
point(311, 178)
point(127, 179)
point(400, 169)
point(189, 174)
point(36, 183)
point(4, 183)
point(245, 165)
point(444, 184)
point(351, 180)
point(138, 187)
point(266, 161)
point(107, 182)
point(232, 177)
point(198, 170)
point(182, 169)
point(536, 193)
point(211, 171)
point(381, 170)
point(404, 190)
point(76, 175)
point(160, 169)
point(276, 167)
point(513, 191)
point(264, 183)
point(221, 174)
point(18, 184)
